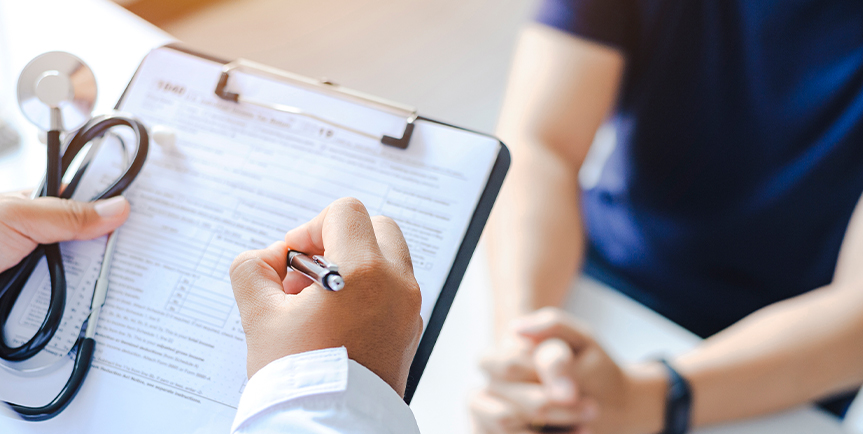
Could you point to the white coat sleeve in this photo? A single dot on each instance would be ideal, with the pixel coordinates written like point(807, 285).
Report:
point(321, 392)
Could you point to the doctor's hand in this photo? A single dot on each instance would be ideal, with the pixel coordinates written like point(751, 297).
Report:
point(376, 315)
point(25, 222)
point(560, 380)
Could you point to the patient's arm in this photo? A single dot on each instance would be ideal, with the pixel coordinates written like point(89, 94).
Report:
point(787, 353)
point(560, 90)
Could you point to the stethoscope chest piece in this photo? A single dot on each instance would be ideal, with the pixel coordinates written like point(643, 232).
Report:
point(61, 82)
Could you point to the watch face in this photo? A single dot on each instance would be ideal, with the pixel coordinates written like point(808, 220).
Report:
point(678, 402)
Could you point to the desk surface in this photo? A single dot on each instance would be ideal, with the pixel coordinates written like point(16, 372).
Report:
point(107, 37)
point(628, 330)
point(113, 42)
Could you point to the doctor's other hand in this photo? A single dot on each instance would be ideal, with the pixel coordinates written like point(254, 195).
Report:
point(25, 222)
point(376, 316)
point(560, 380)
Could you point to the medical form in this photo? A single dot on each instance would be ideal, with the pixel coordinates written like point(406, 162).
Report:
point(171, 350)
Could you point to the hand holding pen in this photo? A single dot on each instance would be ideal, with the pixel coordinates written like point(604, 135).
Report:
point(376, 314)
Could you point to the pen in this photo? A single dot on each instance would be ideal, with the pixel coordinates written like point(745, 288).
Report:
point(316, 268)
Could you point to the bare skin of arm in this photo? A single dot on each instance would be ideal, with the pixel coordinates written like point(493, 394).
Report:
point(561, 88)
point(791, 352)
point(786, 354)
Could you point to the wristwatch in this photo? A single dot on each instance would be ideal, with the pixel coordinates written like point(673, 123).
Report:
point(678, 402)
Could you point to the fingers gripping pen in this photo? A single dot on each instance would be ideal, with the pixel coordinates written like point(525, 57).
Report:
point(316, 268)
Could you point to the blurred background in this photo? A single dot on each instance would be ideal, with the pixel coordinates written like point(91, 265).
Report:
point(447, 57)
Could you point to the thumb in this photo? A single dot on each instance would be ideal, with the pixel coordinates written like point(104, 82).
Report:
point(47, 220)
point(555, 366)
point(551, 322)
point(256, 277)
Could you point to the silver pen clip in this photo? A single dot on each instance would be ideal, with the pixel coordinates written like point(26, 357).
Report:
point(320, 260)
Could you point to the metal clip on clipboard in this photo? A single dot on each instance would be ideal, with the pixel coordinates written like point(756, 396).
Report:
point(323, 86)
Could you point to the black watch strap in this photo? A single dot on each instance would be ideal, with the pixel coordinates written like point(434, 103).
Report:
point(678, 402)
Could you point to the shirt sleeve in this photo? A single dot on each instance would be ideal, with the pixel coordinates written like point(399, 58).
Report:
point(609, 22)
point(321, 392)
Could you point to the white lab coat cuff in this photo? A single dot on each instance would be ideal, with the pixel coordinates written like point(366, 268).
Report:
point(322, 390)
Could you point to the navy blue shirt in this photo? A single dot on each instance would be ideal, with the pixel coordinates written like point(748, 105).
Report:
point(740, 150)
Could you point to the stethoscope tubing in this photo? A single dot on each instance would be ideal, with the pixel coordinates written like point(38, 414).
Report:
point(83, 361)
point(13, 280)
point(11, 286)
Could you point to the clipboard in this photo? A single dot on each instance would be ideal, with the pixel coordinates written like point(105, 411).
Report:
point(237, 176)
point(410, 118)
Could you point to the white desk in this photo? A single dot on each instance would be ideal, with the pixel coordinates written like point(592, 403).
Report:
point(113, 42)
point(107, 37)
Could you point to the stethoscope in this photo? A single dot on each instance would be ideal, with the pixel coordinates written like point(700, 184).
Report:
point(57, 92)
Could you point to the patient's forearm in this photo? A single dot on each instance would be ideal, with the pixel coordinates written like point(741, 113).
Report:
point(561, 88)
point(786, 354)
point(535, 240)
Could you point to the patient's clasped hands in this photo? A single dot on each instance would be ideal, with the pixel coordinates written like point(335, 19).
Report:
point(551, 374)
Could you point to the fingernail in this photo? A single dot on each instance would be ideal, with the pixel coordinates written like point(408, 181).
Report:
point(110, 207)
point(561, 389)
